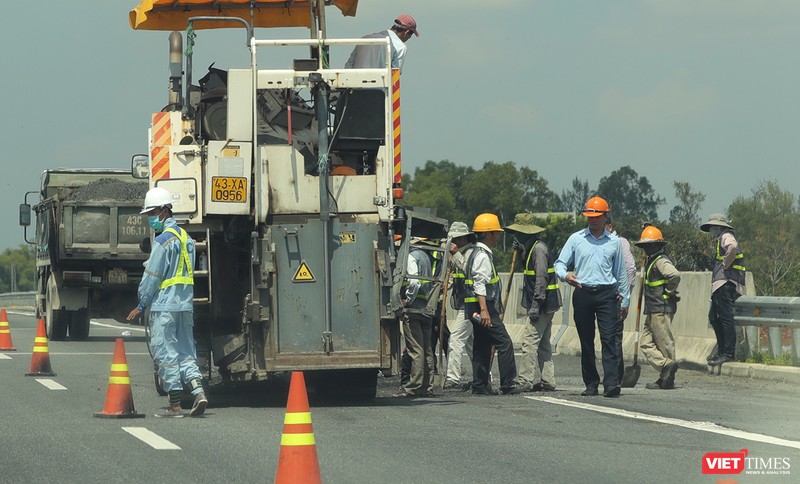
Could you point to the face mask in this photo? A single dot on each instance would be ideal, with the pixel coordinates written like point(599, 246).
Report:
point(155, 223)
point(715, 230)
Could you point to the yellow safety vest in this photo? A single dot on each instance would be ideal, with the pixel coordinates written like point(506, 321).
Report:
point(183, 273)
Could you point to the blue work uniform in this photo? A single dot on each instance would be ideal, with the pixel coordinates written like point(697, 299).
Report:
point(167, 289)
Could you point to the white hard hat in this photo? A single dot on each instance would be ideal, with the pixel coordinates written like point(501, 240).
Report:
point(156, 197)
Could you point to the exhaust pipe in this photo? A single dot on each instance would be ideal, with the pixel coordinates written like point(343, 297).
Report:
point(175, 70)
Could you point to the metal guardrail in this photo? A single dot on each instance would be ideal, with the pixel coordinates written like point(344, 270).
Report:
point(768, 311)
point(18, 299)
point(773, 313)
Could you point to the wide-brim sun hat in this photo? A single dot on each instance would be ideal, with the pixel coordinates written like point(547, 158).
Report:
point(523, 223)
point(458, 229)
point(717, 219)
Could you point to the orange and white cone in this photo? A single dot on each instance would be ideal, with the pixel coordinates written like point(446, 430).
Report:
point(119, 399)
point(297, 462)
point(5, 333)
point(40, 359)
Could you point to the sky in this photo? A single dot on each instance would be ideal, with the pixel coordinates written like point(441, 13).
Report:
point(702, 91)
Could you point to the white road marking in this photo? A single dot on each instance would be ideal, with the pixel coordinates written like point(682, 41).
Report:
point(689, 424)
point(105, 353)
point(151, 438)
point(51, 384)
point(4, 357)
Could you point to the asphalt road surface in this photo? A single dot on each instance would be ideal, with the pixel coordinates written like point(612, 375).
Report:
point(48, 432)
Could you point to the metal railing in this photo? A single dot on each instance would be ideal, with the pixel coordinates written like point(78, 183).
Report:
point(773, 313)
point(18, 299)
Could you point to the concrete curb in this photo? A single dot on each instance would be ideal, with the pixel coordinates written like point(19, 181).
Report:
point(788, 374)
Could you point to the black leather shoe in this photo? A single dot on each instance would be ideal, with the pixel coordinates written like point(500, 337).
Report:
point(484, 391)
point(589, 392)
point(612, 392)
point(712, 356)
point(654, 386)
point(720, 360)
point(514, 389)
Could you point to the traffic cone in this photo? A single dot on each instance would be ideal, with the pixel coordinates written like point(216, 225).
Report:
point(5, 333)
point(40, 359)
point(119, 399)
point(297, 462)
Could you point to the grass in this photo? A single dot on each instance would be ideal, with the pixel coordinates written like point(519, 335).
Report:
point(764, 358)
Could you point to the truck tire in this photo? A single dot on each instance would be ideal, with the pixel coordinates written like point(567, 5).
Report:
point(79, 326)
point(57, 322)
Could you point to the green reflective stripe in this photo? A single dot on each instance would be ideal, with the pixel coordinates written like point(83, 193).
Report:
point(551, 270)
point(469, 282)
point(458, 275)
point(420, 296)
point(552, 287)
point(741, 268)
point(494, 280)
point(470, 299)
point(529, 273)
point(659, 282)
point(665, 296)
point(184, 262)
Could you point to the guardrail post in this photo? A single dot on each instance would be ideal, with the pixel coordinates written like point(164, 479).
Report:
point(753, 339)
point(796, 344)
point(775, 343)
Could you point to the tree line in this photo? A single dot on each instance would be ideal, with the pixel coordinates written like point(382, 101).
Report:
point(767, 222)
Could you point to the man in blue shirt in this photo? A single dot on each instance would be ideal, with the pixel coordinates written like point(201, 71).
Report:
point(600, 281)
point(167, 288)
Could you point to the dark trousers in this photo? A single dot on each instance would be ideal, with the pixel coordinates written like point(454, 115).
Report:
point(486, 337)
point(721, 318)
point(620, 329)
point(601, 304)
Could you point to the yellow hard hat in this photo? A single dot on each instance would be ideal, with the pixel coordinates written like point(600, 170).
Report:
point(486, 222)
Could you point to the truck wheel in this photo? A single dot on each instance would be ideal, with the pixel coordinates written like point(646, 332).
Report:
point(79, 326)
point(56, 322)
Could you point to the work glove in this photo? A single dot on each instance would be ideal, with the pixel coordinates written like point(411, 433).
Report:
point(518, 246)
point(533, 312)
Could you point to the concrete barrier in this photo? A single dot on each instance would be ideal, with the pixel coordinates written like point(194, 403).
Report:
point(694, 338)
point(18, 300)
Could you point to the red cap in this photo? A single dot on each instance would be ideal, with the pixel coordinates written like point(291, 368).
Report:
point(406, 22)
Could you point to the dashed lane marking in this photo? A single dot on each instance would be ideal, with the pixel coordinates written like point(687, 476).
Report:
point(151, 438)
point(4, 357)
point(51, 384)
point(689, 424)
point(114, 326)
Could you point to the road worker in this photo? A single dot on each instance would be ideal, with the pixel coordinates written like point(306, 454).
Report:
point(660, 303)
point(541, 298)
point(483, 305)
point(167, 288)
point(461, 335)
point(727, 285)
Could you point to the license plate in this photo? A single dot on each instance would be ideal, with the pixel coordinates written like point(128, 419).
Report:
point(228, 189)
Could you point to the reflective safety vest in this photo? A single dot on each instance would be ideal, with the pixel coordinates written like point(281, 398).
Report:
point(552, 299)
point(457, 284)
point(424, 269)
point(493, 288)
point(656, 298)
point(736, 271)
point(183, 272)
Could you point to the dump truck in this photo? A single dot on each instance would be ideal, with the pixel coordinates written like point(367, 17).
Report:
point(288, 179)
point(87, 241)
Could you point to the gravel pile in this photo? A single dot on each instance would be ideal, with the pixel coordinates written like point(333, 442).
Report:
point(109, 189)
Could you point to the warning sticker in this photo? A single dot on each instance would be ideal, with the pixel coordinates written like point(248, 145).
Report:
point(303, 274)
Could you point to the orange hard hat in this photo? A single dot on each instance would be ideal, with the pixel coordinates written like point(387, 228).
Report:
point(486, 222)
point(650, 235)
point(595, 207)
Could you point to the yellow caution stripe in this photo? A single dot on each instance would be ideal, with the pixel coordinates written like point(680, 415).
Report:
point(297, 418)
point(297, 439)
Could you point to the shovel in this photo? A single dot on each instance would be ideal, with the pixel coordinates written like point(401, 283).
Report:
point(439, 376)
point(631, 373)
